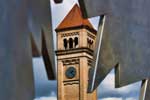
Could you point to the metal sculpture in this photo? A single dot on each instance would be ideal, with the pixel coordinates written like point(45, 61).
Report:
point(147, 92)
point(15, 52)
point(25, 26)
point(41, 33)
point(125, 41)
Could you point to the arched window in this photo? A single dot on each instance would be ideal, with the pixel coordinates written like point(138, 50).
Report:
point(65, 43)
point(70, 43)
point(90, 43)
point(76, 41)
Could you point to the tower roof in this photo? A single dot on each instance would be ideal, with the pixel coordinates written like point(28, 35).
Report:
point(74, 19)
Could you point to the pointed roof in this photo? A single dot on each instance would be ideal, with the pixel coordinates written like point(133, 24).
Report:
point(74, 19)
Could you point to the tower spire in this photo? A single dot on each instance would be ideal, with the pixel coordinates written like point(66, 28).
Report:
point(74, 19)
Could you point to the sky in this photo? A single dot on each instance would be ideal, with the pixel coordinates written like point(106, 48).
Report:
point(47, 90)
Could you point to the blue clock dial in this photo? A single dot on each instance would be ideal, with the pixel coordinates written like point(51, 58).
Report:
point(71, 72)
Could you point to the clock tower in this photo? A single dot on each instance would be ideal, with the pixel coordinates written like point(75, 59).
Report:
point(75, 44)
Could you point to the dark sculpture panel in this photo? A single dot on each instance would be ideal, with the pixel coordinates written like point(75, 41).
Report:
point(25, 29)
point(41, 33)
point(125, 41)
point(16, 75)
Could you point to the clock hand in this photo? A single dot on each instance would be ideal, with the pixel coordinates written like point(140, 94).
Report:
point(72, 72)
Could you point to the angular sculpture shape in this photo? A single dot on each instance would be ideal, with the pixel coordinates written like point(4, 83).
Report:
point(125, 41)
point(147, 95)
point(42, 36)
point(23, 22)
point(16, 75)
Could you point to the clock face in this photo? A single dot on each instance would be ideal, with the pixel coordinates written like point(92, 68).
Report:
point(71, 72)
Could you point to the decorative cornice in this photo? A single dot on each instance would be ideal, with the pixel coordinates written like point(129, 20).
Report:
point(77, 27)
point(75, 50)
point(90, 62)
point(71, 61)
point(69, 34)
point(71, 82)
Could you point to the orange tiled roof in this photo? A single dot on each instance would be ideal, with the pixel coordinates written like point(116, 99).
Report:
point(74, 19)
